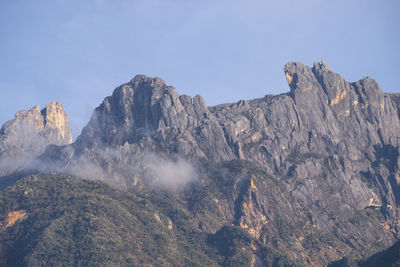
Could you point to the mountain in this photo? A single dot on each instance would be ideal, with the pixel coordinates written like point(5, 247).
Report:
point(27, 135)
point(308, 177)
point(53, 219)
point(387, 257)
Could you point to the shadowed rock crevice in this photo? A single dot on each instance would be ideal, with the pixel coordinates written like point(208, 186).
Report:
point(313, 172)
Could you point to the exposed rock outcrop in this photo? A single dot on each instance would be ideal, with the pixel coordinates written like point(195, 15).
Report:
point(331, 146)
point(334, 144)
point(30, 132)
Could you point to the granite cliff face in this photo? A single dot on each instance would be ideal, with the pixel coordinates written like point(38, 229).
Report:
point(313, 173)
point(30, 132)
point(325, 132)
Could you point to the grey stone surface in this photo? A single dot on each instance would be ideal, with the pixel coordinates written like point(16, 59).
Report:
point(30, 132)
point(332, 145)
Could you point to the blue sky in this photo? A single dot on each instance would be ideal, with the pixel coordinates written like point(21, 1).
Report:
point(77, 52)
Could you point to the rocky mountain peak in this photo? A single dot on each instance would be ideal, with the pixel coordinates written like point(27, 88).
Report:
point(321, 66)
point(302, 82)
point(323, 115)
point(139, 80)
point(56, 124)
point(51, 123)
point(27, 135)
point(321, 160)
point(143, 107)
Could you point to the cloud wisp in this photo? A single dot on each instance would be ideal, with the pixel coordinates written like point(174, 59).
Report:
point(167, 173)
point(115, 166)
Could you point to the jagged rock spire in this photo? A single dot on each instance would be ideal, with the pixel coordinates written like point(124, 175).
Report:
point(30, 132)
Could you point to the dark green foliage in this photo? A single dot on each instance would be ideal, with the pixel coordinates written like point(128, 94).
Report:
point(388, 257)
point(74, 222)
point(233, 243)
point(345, 262)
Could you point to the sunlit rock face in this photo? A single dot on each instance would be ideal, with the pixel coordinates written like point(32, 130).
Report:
point(313, 172)
point(56, 125)
point(30, 132)
point(333, 144)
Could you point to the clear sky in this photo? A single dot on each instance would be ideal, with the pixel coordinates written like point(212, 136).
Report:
point(77, 52)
